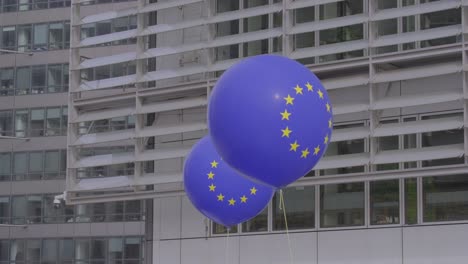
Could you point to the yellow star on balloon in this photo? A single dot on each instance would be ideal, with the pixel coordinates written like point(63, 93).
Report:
point(243, 199)
point(330, 123)
point(325, 141)
point(232, 201)
point(211, 175)
point(309, 87)
point(320, 94)
point(289, 100)
point(253, 191)
point(286, 132)
point(316, 150)
point(220, 197)
point(212, 187)
point(305, 153)
point(294, 146)
point(298, 89)
point(214, 164)
point(328, 107)
point(285, 115)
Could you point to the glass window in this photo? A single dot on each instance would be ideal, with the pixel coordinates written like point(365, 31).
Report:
point(115, 249)
point(220, 229)
point(303, 15)
point(102, 72)
point(54, 78)
point(133, 210)
point(37, 122)
point(445, 198)
point(409, 24)
point(82, 249)
point(99, 212)
point(56, 36)
point(132, 248)
point(226, 5)
point(6, 82)
point(53, 121)
point(255, 47)
point(24, 38)
point(4, 248)
point(6, 123)
point(40, 37)
point(385, 4)
point(52, 214)
point(258, 223)
point(20, 165)
point(411, 201)
point(227, 52)
point(49, 251)
point(345, 147)
point(340, 9)
point(10, 5)
point(342, 205)
point(387, 27)
point(104, 27)
point(33, 250)
point(114, 211)
point(227, 28)
point(98, 249)
point(384, 202)
point(21, 122)
point(341, 34)
point(23, 80)
point(17, 250)
point(304, 40)
point(64, 120)
point(299, 205)
point(35, 165)
point(67, 32)
point(254, 3)
point(66, 250)
point(255, 23)
point(440, 19)
point(25, 5)
point(51, 164)
point(65, 77)
point(38, 78)
point(88, 30)
point(34, 209)
point(5, 167)
point(9, 37)
point(4, 211)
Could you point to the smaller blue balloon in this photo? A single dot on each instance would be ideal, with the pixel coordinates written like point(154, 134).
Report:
point(218, 191)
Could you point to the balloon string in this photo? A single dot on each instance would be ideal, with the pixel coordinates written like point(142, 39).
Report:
point(226, 249)
point(283, 208)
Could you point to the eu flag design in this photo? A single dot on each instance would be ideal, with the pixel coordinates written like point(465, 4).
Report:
point(218, 191)
point(270, 118)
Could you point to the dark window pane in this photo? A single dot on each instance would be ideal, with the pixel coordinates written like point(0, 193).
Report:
point(98, 249)
point(342, 205)
point(341, 34)
point(411, 201)
point(258, 223)
point(445, 198)
point(49, 251)
point(132, 248)
point(300, 208)
point(385, 202)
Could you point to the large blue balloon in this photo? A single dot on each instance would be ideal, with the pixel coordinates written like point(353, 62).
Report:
point(218, 191)
point(270, 118)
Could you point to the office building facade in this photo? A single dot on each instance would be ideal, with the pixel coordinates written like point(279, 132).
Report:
point(34, 66)
point(392, 187)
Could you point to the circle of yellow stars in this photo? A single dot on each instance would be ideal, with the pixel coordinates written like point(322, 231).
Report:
point(285, 116)
point(220, 196)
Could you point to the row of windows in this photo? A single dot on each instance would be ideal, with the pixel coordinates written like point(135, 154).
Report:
point(37, 122)
point(36, 165)
point(408, 141)
point(333, 35)
point(108, 250)
point(444, 198)
point(36, 37)
point(40, 209)
point(36, 79)
point(56, 35)
point(22, 5)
